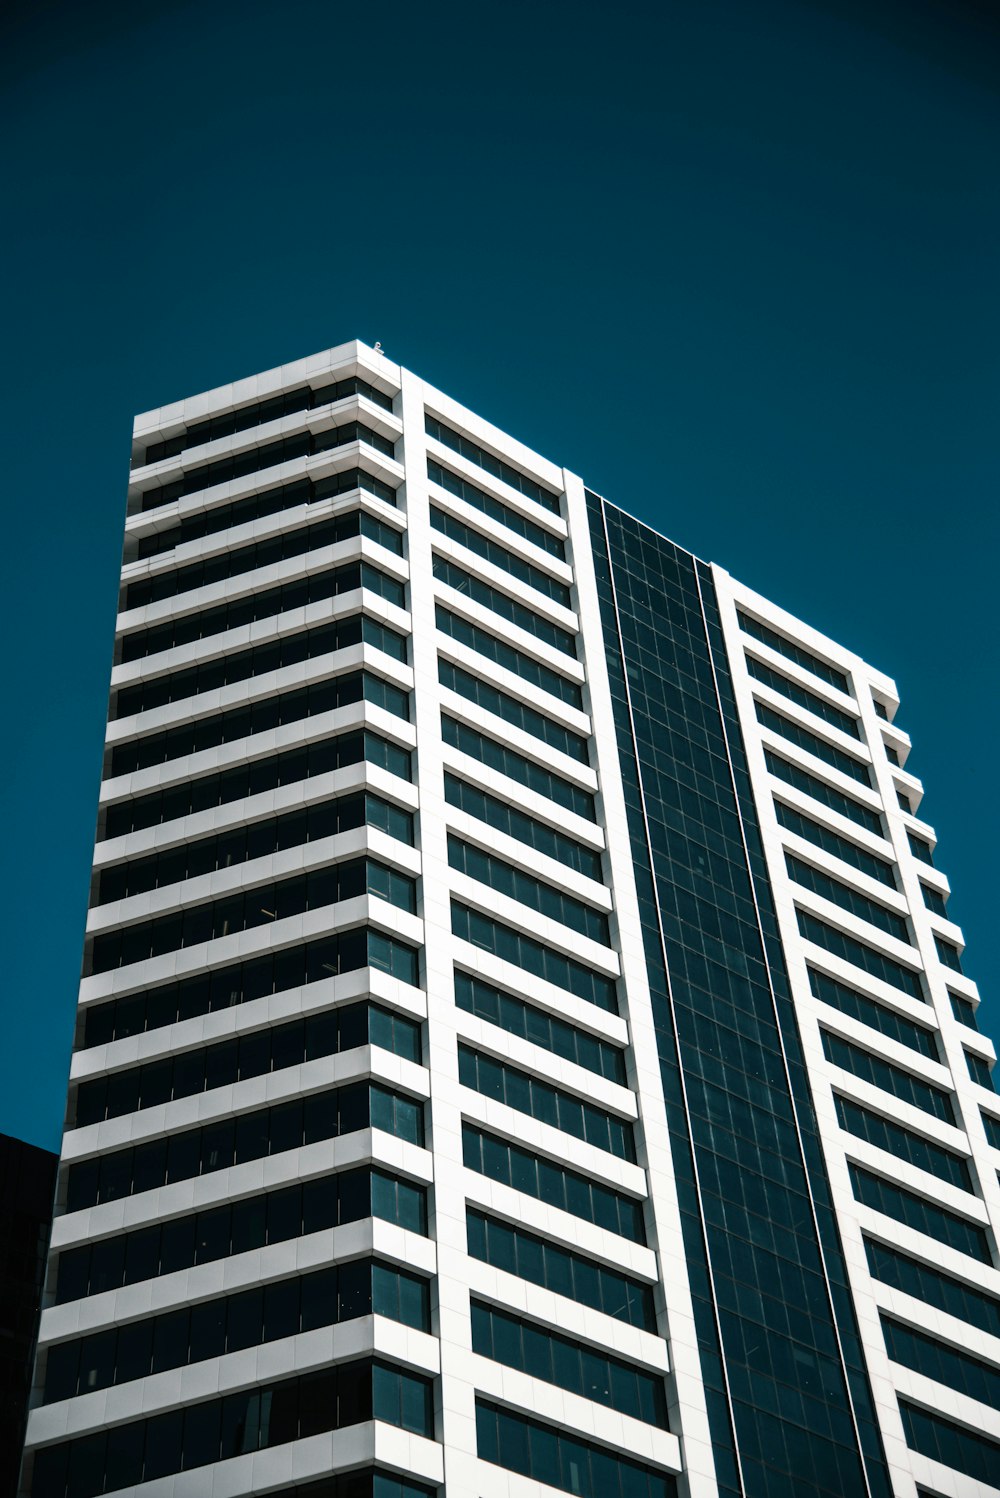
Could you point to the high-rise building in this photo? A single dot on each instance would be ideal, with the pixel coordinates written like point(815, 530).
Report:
point(523, 1046)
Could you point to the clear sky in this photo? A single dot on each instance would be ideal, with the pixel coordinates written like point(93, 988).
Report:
point(735, 263)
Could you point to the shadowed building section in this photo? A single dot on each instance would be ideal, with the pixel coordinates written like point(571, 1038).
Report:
point(27, 1186)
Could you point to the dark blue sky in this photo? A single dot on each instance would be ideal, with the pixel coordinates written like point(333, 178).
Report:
point(734, 263)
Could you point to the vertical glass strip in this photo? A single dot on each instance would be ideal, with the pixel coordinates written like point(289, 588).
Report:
point(771, 1355)
point(851, 1352)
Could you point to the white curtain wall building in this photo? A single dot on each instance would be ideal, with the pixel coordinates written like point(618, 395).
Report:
point(522, 1046)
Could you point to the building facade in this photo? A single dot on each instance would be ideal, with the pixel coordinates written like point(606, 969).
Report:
point(523, 1046)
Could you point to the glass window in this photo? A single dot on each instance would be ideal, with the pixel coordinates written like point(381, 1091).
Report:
point(505, 1340)
point(512, 711)
point(82, 1188)
point(980, 1070)
point(848, 898)
point(212, 1236)
point(545, 1458)
point(869, 959)
point(62, 1367)
point(239, 1425)
point(884, 1074)
point(321, 1116)
point(252, 1136)
point(124, 1458)
point(134, 1352)
point(412, 1207)
point(525, 952)
point(386, 1394)
point(926, 1283)
point(284, 1214)
point(363, 1287)
point(890, 1136)
point(73, 1274)
point(920, 1213)
point(249, 1224)
point(202, 1432)
point(535, 1450)
point(779, 682)
point(115, 1173)
point(955, 1446)
point(208, 1330)
point(281, 1309)
point(356, 1403)
point(50, 1469)
point(107, 1265)
point(383, 1197)
point(794, 652)
point(517, 767)
point(218, 1142)
point(414, 1302)
point(866, 1009)
point(920, 847)
point(352, 1026)
point(283, 1413)
point(285, 1127)
point(831, 754)
point(319, 1204)
point(948, 953)
point(164, 1442)
point(841, 847)
point(319, 1299)
point(177, 1244)
point(827, 795)
point(503, 604)
point(473, 453)
point(86, 1470)
point(170, 1340)
point(355, 1197)
point(416, 1407)
point(963, 1009)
